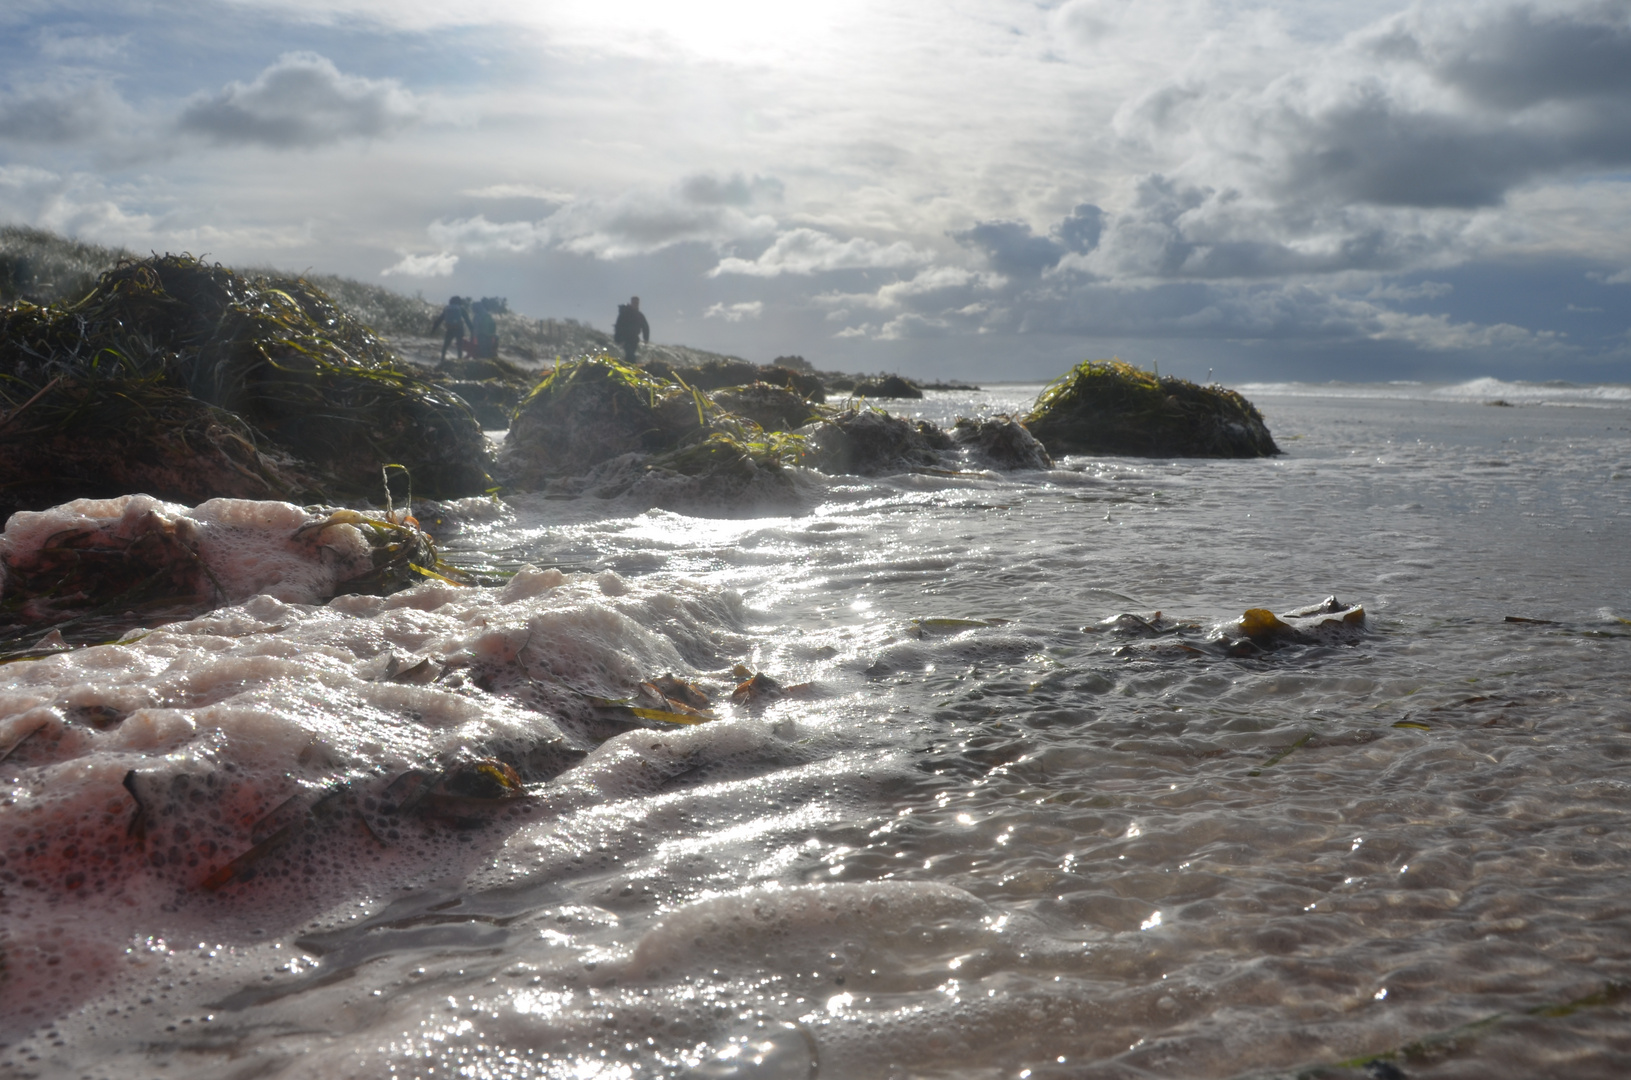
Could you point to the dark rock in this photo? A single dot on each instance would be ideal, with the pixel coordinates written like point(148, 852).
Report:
point(1000, 442)
point(806, 383)
point(890, 386)
point(485, 368)
point(1110, 407)
point(872, 443)
point(774, 408)
point(591, 411)
point(716, 374)
point(493, 402)
point(599, 427)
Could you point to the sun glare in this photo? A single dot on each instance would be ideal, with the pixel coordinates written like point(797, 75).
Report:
point(745, 30)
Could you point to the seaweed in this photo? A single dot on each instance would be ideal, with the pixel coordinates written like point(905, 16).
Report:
point(870, 442)
point(772, 407)
point(1109, 406)
point(170, 356)
point(592, 410)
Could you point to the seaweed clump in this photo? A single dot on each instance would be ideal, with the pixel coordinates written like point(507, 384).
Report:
point(598, 410)
point(1111, 407)
point(191, 381)
point(871, 442)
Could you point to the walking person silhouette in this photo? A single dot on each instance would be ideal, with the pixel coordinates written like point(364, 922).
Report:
point(630, 327)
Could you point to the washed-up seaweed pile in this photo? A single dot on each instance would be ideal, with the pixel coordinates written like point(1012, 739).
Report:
point(1111, 407)
point(591, 411)
point(190, 381)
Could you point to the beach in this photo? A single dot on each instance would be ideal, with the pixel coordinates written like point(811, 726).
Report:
point(989, 829)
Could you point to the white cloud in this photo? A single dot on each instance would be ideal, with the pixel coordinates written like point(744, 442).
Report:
point(301, 100)
point(1195, 169)
point(440, 264)
point(1449, 105)
point(750, 309)
point(640, 226)
point(477, 235)
point(808, 251)
point(76, 204)
point(914, 326)
point(518, 191)
point(700, 208)
point(1426, 290)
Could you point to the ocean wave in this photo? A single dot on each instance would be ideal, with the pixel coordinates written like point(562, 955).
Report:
point(1483, 390)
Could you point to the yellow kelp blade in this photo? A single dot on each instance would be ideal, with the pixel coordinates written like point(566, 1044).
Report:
point(1261, 622)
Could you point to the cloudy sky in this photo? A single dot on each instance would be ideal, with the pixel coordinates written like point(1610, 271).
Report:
point(1310, 189)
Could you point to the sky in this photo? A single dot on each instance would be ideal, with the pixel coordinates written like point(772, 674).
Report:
point(1316, 190)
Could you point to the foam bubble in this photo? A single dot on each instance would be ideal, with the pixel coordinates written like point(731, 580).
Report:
point(260, 757)
point(245, 547)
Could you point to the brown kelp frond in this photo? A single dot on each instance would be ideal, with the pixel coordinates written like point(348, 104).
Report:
point(1110, 406)
point(403, 553)
point(101, 582)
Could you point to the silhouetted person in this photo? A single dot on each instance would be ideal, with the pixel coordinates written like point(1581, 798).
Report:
point(455, 320)
point(486, 331)
point(630, 327)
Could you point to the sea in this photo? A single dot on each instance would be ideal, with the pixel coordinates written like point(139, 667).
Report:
point(1016, 811)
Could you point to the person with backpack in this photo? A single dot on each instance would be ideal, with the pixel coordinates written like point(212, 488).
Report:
point(630, 327)
point(455, 320)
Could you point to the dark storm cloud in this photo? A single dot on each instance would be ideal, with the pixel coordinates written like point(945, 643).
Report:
point(1447, 106)
point(1536, 91)
point(1012, 248)
point(1080, 232)
point(302, 100)
point(1520, 56)
point(1193, 311)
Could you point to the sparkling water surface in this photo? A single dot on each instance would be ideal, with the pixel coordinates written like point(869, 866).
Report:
point(994, 838)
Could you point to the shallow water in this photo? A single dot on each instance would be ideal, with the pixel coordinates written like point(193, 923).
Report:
point(1002, 840)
